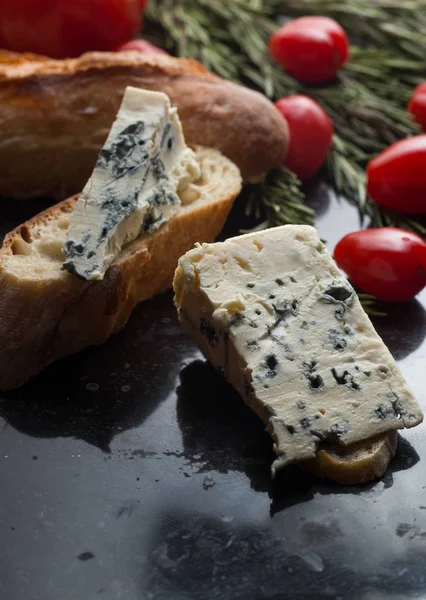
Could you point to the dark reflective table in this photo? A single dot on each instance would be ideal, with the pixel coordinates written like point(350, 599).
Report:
point(132, 471)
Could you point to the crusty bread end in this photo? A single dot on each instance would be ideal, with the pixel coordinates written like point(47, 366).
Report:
point(56, 114)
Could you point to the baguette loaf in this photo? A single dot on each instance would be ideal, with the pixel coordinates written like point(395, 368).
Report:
point(56, 114)
point(46, 313)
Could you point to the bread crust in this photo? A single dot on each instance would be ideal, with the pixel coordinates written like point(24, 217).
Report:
point(56, 114)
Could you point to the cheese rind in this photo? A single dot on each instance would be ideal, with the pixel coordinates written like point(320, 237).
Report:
point(134, 187)
point(274, 314)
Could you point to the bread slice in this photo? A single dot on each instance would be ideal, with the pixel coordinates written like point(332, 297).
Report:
point(56, 114)
point(355, 464)
point(46, 313)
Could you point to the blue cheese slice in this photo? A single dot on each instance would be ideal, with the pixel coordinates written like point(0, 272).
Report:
point(134, 186)
point(276, 317)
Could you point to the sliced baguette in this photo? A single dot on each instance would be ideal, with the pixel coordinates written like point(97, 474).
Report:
point(46, 313)
point(56, 114)
point(358, 463)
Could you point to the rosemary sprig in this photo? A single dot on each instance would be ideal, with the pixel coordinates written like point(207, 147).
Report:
point(367, 103)
point(369, 304)
point(279, 201)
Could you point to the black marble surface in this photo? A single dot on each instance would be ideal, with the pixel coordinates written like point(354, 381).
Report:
point(131, 471)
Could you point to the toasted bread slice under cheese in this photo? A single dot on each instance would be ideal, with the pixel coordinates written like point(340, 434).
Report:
point(358, 463)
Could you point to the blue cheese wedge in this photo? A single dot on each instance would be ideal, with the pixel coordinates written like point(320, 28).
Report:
point(276, 317)
point(134, 186)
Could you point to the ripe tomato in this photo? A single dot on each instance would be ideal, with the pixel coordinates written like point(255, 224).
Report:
point(397, 177)
point(388, 263)
point(311, 132)
point(417, 105)
point(311, 49)
point(140, 46)
point(65, 28)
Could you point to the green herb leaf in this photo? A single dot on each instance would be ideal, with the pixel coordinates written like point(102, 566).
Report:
point(279, 201)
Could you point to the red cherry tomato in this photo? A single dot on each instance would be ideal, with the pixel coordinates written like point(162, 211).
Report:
point(397, 177)
point(311, 132)
point(311, 49)
point(140, 46)
point(66, 28)
point(388, 263)
point(417, 105)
